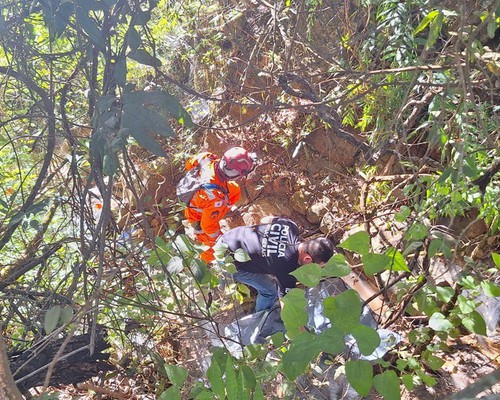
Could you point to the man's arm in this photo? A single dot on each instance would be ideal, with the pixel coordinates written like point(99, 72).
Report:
point(267, 219)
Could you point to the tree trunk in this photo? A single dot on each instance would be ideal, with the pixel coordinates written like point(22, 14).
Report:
point(8, 389)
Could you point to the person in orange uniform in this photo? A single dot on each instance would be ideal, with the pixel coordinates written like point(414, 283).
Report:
point(209, 205)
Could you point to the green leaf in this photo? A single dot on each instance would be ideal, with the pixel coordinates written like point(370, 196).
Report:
point(439, 323)
point(358, 242)
point(90, 28)
point(133, 38)
point(426, 21)
point(120, 71)
point(360, 376)
point(241, 255)
point(18, 217)
point(247, 377)
point(387, 384)
point(435, 363)
point(293, 314)
point(105, 103)
point(214, 375)
point(143, 57)
point(445, 294)
point(417, 232)
point(496, 259)
point(474, 322)
point(490, 289)
point(374, 263)
point(149, 143)
point(343, 310)
point(331, 341)
point(301, 352)
point(172, 393)
point(66, 314)
point(491, 29)
point(231, 381)
point(367, 339)
point(465, 305)
point(52, 318)
point(162, 100)
point(336, 267)
point(61, 19)
point(151, 121)
point(397, 262)
point(434, 30)
point(309, 274)
point(403, 214)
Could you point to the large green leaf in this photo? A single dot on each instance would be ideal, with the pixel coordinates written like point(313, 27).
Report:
point(336, 266)
point(293, 314)
point(439, 323)
point(172, 393)
point(143, 57)
point(231, 381)
point(309, 274)
point(90, 28)
point(162, 100)
point(332, 340)
point(358, 242)
point(375, 263)
point(301, 352)
point(52, 318)
point(138, 118)
point(387, 384)
point(343, 310)
point(367, 339)
point(176, 374)
point(360, 375)
point(398, 262)
point(474, 322)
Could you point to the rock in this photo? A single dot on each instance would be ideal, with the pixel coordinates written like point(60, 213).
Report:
point(300, 201)
point(316, 212)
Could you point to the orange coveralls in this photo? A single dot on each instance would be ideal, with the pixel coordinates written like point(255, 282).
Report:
point(209, 206)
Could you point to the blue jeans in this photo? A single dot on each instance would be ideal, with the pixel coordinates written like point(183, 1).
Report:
point(267, 290)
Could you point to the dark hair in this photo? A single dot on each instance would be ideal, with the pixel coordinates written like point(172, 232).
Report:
point(320, 249)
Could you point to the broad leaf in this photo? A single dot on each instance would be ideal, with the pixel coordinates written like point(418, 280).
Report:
point(397, 262)
point(172, 393)
point(336, 266)
point(426, 21)
point(52, 318)
point(496, 259)
point(241, 255)
point(343, 310)
point(358, 242)
point(387, 384)
point(367, 339)
point(176, 374)
point(231, 381)
point(143, 57)
point(360, 376)
point(474, 323)
point(293, 314)
point(301, 352)
point(439, 323)
point(90, 28)
point(375, 263)
point(490, 289)
point(309, 274)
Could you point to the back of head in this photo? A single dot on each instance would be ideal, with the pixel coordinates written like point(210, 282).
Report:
point(237, 162)
point(320, 249)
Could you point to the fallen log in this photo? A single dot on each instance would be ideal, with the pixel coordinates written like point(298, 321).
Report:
point(76, 363)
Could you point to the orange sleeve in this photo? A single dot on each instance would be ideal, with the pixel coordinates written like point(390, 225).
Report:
point(234, 192)
point(194, 160)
